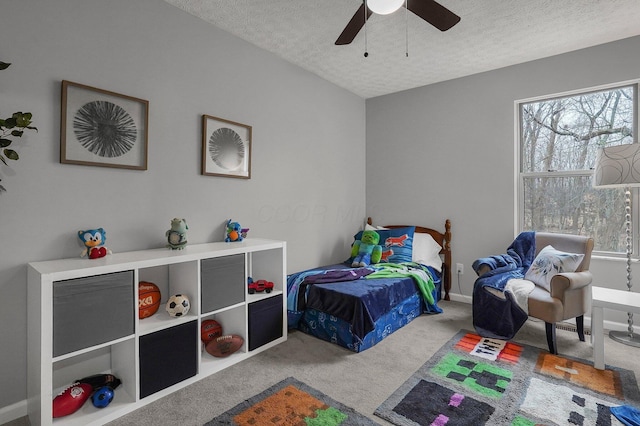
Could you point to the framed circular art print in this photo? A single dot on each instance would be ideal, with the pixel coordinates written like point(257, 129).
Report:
point(226, 148)
point(102, 128)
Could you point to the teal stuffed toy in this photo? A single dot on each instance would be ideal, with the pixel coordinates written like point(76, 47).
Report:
point(177, 235)
point(366, 250)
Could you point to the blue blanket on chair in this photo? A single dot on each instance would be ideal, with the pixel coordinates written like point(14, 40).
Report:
point(495, 316)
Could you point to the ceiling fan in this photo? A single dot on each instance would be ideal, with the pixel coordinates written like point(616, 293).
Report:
point(429, 10)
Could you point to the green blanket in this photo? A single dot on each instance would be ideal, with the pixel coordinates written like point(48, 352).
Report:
point(418, 272)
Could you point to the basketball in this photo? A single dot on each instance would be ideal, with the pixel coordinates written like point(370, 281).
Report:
point(148, 299)
point(209, 330)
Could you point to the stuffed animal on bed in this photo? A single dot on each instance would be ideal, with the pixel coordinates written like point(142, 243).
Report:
point(366, 250)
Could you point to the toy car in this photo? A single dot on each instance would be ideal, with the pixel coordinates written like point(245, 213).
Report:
point(260, 285)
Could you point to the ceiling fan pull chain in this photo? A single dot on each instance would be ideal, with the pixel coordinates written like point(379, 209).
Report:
point(366, 54)
point(406, 26)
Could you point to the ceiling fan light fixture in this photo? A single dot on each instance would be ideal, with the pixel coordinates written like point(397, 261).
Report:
point(384, 7)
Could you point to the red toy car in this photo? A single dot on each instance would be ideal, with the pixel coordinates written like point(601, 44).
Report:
point(260, 285)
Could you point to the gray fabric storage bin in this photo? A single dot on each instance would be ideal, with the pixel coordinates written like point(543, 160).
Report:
point(92, 310)
point(223, 282)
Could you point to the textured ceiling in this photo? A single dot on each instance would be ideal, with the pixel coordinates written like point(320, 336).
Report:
point(491, 34)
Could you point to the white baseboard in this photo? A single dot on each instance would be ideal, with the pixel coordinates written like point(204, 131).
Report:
point(460, 298)
point(13, 412)
point(610, 325)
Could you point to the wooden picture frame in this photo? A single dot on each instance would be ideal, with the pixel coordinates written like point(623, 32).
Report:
point(226, 148)
point(103, 128)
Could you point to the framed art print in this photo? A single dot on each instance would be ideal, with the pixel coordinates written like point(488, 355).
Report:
point(226, 148)
point(103, 128)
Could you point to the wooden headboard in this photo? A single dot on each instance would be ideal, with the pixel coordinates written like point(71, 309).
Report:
point(442, 238)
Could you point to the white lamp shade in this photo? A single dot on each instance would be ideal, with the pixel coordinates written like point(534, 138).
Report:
point(384, 7)
point(617, 166)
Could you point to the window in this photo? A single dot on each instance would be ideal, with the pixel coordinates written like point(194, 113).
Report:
point(558, 140)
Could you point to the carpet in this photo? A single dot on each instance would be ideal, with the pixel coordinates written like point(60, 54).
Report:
point(477, 381)
point(291, 402)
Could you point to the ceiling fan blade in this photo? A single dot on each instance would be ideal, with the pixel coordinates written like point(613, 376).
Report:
point(353, 27)
point(434, 13)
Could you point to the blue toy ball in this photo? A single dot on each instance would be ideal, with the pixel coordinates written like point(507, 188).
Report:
point(102, 397)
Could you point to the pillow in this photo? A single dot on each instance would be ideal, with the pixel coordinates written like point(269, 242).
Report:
point(550, 262)
point(368, 227)
point(426, 251)
point(397, 244)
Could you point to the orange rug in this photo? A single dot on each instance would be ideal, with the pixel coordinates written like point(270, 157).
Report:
point(291, 403)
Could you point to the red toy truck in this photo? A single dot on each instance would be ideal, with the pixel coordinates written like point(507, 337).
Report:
point(260, 286)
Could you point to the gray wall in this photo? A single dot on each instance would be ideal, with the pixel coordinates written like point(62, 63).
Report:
point(447, 151)
point(308, 173)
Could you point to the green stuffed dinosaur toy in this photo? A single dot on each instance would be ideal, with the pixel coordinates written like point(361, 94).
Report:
point(366, 250)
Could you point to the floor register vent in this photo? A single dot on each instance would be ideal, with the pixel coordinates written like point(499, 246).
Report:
point(571, 327)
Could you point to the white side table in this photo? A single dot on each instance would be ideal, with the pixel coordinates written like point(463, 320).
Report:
point(620, 300)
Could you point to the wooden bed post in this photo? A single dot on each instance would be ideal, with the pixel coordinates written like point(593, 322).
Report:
point(446, 247)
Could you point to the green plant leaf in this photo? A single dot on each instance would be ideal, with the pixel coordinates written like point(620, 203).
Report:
point(11, 154)
point(5, 143)
point(10, 123)
point(4, 66)
point(17, 133)
point(22, 120)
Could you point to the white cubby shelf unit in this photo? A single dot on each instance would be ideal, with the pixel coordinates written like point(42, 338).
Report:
point(83, 320)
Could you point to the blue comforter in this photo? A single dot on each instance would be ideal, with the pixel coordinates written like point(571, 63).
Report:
point(501, 317)
point(352, 297)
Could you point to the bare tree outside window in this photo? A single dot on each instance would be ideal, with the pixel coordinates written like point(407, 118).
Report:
point(559, 139)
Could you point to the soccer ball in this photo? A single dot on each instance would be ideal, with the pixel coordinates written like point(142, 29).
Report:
point(178, 305)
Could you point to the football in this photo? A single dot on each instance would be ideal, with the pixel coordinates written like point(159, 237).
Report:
point(178, 305)
point(223, 346)
point(71, 399)
point(148, 299)
point(209, 330)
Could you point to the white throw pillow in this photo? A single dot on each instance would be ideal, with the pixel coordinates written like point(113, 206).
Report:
point(426, 251)
point(550, 262)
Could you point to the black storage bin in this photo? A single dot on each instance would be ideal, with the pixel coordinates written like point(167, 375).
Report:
point(92, 310)
point(223, 282)
point(265, 321)
point(168, 357)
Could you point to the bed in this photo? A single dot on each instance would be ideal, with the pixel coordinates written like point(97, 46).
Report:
point(358, 307)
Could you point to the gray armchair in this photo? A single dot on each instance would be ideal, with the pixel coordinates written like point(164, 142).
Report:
point(570, 293)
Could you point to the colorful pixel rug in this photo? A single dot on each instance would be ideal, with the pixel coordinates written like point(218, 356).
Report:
point(477, 381)
point(291, 403)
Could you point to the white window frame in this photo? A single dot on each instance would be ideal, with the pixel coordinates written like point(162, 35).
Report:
point(519, 176)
